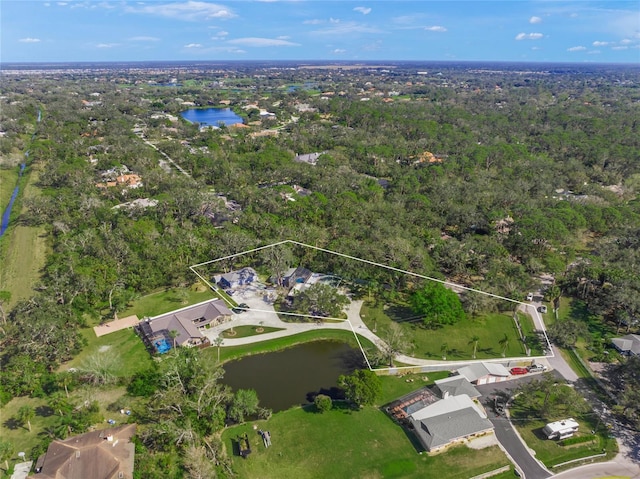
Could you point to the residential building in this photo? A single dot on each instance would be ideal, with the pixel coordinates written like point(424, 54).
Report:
point(629, 344)
point(183, 327)
point(101, 454)
point(484, 373)
point(455, 386)
point(233, 279)
point(451, 420)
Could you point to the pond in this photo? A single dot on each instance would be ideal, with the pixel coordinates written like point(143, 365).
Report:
point(211, 116)
point(293, 376)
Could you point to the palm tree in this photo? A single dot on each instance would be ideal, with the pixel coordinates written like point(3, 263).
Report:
point(218, 342)
point(443, 350)
point(504, 342)
point(173, 334)
point(25, 414)
point(6, 451)
point(474, 339)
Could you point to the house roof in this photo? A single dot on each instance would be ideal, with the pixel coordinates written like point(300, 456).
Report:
point(629, 343)
point(455, 386)
point(91, 455)
point(182, 320)
point(475, 371)
point(452, 418)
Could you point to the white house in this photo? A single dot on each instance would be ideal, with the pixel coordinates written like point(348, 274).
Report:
point(484, 373)
point(560, 429)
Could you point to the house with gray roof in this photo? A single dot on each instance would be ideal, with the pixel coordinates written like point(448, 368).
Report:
point(183, 327)
point(451, 420)
point(484, 373)
point(455, 386)
point(310, 158)
point(629, 344)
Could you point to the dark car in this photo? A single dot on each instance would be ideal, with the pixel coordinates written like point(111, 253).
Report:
point(241, 308)
point(518, 371)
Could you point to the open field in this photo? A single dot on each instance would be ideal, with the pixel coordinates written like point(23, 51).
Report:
point(125, 347)
point(21, 271)
point(161, 302)
point(394, 387)
point(8, 179)
point(360, 444)
point(427, 343)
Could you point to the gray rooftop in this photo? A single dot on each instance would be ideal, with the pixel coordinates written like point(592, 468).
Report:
point(629, 343)
point(455, 386)
point(438, 431)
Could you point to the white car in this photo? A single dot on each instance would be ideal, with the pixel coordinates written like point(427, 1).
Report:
point(530, 297)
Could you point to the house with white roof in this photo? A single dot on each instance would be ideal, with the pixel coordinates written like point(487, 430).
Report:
point(484, 373)
point(629, 344)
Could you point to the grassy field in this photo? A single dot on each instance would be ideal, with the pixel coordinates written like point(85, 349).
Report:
point(394, 387)
point(345, 443)
point(8, 179)
point(125, 347)
point(23, 251)
point(234, 352)
point(552, 453)
point(427, 343)
point(245, 331)
point(161, 302)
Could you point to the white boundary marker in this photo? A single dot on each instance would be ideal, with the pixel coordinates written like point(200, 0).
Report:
point(410, 273)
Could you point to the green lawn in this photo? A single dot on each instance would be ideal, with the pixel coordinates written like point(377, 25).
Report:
point(128, 349)
point(394, 387)
point(8, 180)
point(552, 453)
point(21, 271)
point(164, 301)
point(348, 444)
point(245, 331)
point(427, 343)
point(234, 352)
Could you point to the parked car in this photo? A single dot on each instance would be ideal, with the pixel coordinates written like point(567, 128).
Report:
point(542, 309)
point(241, 308)
point(518, 371)
point(530, 297)
point(536, 368)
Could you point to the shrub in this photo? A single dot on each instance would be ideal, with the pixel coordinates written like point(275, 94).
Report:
point(577, 440)
point(323, 403)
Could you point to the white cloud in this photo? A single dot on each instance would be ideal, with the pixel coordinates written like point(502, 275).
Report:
point(334, 20)
point(313, 22)
point(262, 42)
point(191, 10)
point(347, 28)
point(144, 39)
point(534, 20)
point(283, 37)
point(193, 45)
point(625, 41)
point(593, 52)
point(600, 44)
point(29, 40)
point(338, 51)
point(620, 47)
point(363, 10)
point(436, 28)
point(107, 45)
point(576, 49)
point(529, 36)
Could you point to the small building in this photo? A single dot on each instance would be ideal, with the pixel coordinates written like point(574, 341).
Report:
point(234, 279)
point(484, 373)
point(182, 327)
point(628, 345)
point(295, 276)
point(310, 158)
point(451, 420)
point(561, 429)
point(455, 386)
point(101, 454)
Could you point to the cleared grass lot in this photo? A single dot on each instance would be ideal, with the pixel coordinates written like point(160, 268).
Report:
point(348, 444)
point(427, 343)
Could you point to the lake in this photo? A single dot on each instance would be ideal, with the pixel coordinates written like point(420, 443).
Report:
point(293, 376)
point(211, 116)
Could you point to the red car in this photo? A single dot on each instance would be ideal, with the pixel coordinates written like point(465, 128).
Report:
point(517, 371)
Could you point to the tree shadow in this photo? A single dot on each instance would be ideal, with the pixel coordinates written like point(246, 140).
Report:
point(12, 423)
point(353, 359)
point(44, 411)
point(335, 393)
point(401, 314)
point(539, 434)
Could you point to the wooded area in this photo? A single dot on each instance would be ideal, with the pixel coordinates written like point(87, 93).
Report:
point(484, 178)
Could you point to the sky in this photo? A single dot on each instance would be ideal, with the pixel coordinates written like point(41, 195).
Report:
point(606, 31)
